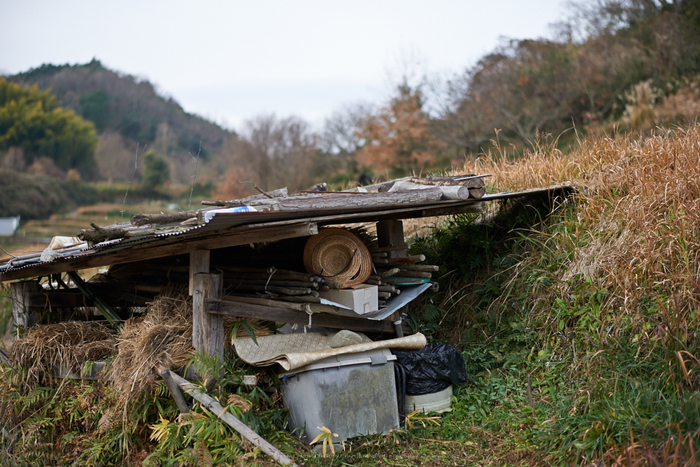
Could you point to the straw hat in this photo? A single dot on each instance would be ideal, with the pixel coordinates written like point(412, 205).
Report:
point(338, 255)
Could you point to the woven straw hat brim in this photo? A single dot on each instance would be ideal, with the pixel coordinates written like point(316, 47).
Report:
point(339, 256)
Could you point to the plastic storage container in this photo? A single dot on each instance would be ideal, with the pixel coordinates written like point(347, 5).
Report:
point(440, 401)
point(352, 395)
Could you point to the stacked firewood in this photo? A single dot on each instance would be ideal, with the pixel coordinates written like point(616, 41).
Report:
point(283, 283)
point(392, 273)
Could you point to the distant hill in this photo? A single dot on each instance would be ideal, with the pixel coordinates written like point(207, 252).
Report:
point(123, 105)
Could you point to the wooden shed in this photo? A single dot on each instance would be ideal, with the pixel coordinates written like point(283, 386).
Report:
point(200, 240)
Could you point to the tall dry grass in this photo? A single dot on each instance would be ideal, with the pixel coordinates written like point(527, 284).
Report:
point(639, 200)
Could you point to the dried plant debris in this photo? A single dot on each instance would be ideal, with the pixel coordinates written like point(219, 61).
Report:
point(163, 335)
point(69, 345)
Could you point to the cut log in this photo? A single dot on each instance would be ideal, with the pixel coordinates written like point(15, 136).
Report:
point(143, 219)
point(418, 267)
point(100, 234)
point(404, 281)
point(408, 259)
point(469, 181)
point(456, 192)
point(389, 273)
point(421, 274)
point(477, 192)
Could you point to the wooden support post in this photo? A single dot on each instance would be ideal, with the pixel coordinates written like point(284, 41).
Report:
point(390, 234)
point(199, 262)
point(22, 317)
point(207, 329)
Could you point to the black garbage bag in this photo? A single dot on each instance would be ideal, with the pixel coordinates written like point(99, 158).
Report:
point(431, 369)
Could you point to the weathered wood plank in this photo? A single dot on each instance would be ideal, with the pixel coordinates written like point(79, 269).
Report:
point(285, 315)
point(278, 193)
point(314, 202)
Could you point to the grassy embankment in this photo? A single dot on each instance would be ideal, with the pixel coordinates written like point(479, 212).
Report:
point(579, 329)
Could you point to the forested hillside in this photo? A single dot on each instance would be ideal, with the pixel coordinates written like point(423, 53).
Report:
point(611, 66)
point(127, 112)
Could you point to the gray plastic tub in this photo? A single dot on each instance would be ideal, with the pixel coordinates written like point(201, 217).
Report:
point(352, 395)
point(439, 402)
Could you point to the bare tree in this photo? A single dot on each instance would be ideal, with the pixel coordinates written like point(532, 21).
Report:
point(272, 153)
point(115, 162)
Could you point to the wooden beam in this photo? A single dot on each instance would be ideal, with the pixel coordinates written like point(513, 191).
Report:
point(75, 299)
point(285, 315)
point(207, 329)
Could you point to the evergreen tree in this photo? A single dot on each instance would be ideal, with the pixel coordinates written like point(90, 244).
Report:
point(31, 119)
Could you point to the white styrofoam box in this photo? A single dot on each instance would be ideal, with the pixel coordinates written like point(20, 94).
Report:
point(361, 298)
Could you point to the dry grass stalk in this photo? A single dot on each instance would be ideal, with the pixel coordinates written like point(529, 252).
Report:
point(70, 344)
point(163, 335)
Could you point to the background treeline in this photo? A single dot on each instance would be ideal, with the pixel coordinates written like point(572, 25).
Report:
point(612, 65)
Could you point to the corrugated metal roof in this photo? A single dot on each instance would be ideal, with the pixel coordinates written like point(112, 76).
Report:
point(229, 229)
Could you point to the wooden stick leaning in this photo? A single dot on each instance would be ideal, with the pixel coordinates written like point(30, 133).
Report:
point(174, 389)
point(217, 409)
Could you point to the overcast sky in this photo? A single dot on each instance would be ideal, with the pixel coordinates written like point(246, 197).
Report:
point(233, 60)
